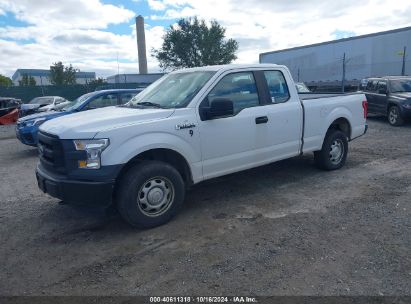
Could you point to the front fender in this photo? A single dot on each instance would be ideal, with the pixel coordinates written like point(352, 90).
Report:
point(133, 147)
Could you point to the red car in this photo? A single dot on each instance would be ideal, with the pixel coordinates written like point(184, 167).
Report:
point(9, 112)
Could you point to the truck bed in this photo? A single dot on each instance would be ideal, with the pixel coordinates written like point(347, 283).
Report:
point(305, 96)
point(320, 110)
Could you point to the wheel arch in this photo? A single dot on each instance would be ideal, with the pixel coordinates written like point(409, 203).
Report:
point(390, 104)
point(343, 125)
point(166, 155)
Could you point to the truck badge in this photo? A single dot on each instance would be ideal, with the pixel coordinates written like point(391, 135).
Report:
point(185, 125)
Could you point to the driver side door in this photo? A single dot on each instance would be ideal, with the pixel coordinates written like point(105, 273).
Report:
point(228, 143)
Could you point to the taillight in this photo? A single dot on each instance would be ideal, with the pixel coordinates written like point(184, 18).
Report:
point(365, 108)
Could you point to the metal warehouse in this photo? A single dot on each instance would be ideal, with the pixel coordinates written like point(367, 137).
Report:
point(377, 54)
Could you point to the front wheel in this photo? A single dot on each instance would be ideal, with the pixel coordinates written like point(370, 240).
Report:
point(394, 116)
point(150, 194)
point(333, 153)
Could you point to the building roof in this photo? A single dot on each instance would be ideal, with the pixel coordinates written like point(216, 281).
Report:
point(46, 73)
point(340, 40)
point(135, 74)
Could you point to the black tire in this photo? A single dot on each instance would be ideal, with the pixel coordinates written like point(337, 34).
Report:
point(326, 158)
point(146, 187)
point(394, 116)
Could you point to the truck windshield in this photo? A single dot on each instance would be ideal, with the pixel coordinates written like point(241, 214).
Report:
point(174, 90)
point(400, 85)
point(77, 102)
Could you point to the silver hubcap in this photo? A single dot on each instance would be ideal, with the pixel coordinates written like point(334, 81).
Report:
point(155, 196)
point(336, 151)
point(393, 116)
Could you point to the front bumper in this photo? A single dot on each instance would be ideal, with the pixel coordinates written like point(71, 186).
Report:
point(77, 192)
point(27, 135)
point(405, 112)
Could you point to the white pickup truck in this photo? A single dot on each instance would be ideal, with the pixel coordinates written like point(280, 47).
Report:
point(189, 126)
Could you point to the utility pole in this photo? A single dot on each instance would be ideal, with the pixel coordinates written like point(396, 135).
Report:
point(41, 84)
point(298, 75)
point(403, 61)
point(343, 76)
point(118, 72)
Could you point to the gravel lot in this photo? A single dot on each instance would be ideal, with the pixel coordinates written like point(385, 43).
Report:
point(281, 229)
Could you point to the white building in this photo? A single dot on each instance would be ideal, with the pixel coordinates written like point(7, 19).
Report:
point(372, 55)
point(134, 78)
point(42, 76)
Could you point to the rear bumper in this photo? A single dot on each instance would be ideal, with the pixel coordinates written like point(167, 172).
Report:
point(78, 192)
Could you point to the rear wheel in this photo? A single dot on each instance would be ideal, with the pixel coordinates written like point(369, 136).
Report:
point(333, 153)
point(394, 116)
point(150, 194)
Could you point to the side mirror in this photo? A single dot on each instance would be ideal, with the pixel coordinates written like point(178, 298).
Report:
point(220, 107)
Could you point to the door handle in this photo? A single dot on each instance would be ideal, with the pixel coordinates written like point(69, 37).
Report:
point(261, 120)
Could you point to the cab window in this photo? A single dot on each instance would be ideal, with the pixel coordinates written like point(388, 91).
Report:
point(240, 88)
point(371, 86)
point(125, 97)
point(277, 86)
point(382, 87)
point(102, 101)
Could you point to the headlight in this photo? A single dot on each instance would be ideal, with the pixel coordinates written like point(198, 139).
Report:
point(93, 148)
point(35, 122)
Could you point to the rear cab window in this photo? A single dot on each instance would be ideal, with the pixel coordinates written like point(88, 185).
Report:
point(277, 86)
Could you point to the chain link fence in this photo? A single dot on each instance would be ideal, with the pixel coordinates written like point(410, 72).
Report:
point(69, 92)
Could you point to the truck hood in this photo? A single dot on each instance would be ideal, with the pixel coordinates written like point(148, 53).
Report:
point(47, 115)
point(87, 124)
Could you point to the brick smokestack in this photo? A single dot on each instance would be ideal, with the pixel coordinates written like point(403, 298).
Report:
point(141, 45)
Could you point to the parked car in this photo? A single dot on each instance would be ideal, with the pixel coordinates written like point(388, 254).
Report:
point(43, 103)
point(27, 127)
point(189, 126)
point(9, 110)
point(390, 96)
point(58, 104)
point(302, 88)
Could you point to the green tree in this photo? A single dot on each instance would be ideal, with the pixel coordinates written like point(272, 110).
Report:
point(192, 43)
point(5, 81)
point(27, 80)
point(70, 75)
point(60, 75)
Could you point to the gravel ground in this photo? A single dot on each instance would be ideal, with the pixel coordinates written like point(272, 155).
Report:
point(282, 229)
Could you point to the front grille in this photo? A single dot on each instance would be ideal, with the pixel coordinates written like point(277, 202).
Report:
point(51, 152)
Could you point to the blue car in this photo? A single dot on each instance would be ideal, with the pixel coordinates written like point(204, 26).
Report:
point(27, 127)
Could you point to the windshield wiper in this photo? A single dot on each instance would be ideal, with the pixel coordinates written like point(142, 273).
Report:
point(150, 104)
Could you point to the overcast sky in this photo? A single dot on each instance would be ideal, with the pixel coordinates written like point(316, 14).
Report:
point(92, 34)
